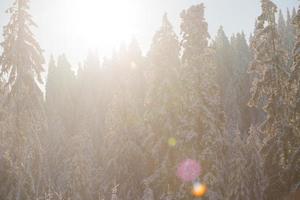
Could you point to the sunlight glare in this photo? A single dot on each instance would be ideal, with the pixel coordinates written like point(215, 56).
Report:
point(102, 23)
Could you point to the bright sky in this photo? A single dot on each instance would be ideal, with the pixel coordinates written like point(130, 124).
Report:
point(63, 26)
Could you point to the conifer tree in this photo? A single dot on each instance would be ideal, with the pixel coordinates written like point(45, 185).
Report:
point(226, 78)
point(268, 64)
point(124, 159)
point(202, 119)
point(90, 104)
point(269, 89)
point(241, 61)
point(60, 104)
point(162, 106)
point(56, 128)
point(292, 143)
point(22, 55)
point(21, 62)
point(61, 110)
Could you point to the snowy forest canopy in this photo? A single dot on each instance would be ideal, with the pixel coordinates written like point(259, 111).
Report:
point(194, 118)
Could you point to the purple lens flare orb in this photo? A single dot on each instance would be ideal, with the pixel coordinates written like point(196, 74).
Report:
point(188, 170)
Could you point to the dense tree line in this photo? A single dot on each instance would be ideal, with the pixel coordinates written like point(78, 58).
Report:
point(118, 128)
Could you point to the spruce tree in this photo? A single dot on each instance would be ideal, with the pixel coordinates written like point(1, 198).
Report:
point(63, 93)
point(162, 108)
point(269, 90)
point(226, 78)
point(123, 156)
point(56, 129)
point(241, 61)
point(202, 119)
point(292, 143)
point(60, 104)
point(21, 62)
point(270, 85)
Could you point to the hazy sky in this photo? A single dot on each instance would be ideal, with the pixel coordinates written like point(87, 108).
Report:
point(50, 15)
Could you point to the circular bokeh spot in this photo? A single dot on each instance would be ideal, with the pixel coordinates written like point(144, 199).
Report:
point(188, 170)
point(172, 142)
point(199, 189)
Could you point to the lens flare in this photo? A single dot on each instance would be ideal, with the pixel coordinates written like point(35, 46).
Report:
point(188, 170)
point(199, 190)
point(172, 142)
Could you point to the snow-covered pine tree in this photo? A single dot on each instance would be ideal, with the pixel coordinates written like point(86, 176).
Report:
point(292, 172)
point(241, 60)
point(56, 130)
point(62, 93)
point(22, 55)
point(21, 62)
point(226, 78)
point(202, 119)
point(270, 90)
point(162, 108)
point(124, 158)
point(70, 144)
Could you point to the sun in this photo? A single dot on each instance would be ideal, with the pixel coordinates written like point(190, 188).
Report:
point(101, 22)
